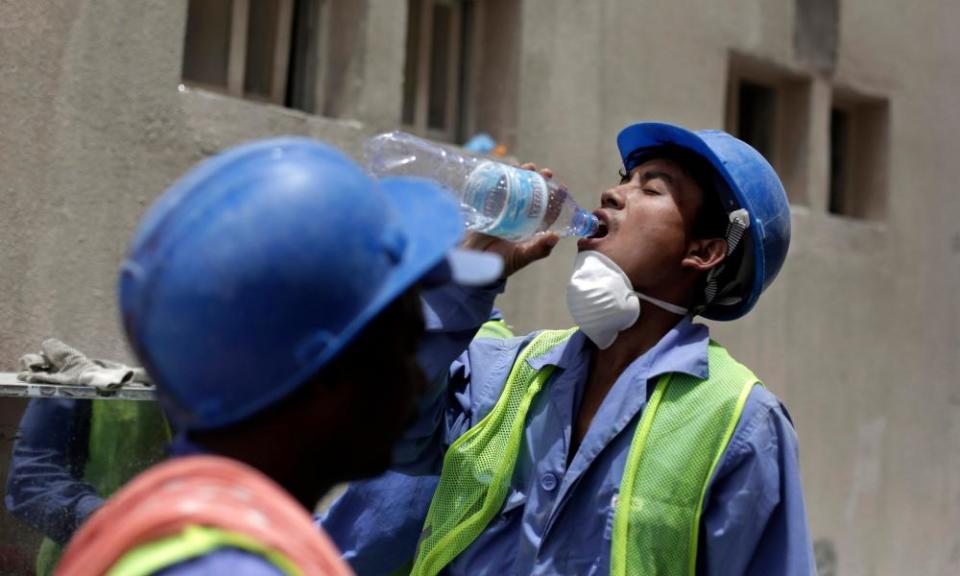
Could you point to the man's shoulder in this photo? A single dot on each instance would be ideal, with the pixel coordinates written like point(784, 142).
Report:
point(767, 403)
point(763, 412)
point(505, 351)
point(500, 349)
point(764, 421)
point(491, 362)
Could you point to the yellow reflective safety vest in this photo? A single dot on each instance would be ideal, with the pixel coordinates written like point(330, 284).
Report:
point(676, 447)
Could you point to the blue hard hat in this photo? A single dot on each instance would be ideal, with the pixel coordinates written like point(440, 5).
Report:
point(481, 143)
point(261, 264)
point(746, 181)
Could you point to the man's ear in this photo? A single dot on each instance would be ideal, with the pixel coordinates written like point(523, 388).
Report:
point(704, 254)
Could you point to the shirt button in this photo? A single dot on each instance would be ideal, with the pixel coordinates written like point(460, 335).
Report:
point(548, 481)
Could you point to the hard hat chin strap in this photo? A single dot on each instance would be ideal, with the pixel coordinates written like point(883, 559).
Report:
point(736, 227)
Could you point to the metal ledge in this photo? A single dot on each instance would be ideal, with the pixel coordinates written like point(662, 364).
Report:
point(11, 387)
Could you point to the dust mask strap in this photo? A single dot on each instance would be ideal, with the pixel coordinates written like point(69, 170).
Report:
point(673, 308)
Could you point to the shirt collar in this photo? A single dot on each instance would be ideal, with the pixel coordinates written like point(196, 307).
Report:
point(682, 349)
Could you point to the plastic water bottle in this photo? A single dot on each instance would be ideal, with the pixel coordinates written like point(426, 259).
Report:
point(496, 198)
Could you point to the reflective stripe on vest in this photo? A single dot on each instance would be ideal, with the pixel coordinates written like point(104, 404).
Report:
point(680, 437)
point(494, 329)
point(193, 542)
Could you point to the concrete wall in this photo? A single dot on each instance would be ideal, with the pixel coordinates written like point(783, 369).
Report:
point(94, 127)
point(859, 336)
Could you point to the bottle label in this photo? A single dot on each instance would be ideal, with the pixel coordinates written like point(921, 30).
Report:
point(511, 201)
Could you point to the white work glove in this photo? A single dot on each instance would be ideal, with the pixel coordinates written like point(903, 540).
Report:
point(58, 363)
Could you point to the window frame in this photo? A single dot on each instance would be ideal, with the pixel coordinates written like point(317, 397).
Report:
point(866, 152)
point(791, 148)
point(236, 64)
point(455, 63)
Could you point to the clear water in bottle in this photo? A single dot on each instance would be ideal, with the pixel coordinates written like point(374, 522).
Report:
point(497, 198)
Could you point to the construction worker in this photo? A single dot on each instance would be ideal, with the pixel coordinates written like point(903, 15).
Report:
point(634, 444)
point(72, 454)
point(254, 292)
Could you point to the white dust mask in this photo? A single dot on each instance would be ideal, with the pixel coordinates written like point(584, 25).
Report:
point(602, 301)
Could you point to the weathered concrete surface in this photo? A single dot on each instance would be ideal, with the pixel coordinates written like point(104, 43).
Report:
point(94, 128)
point(859, 336)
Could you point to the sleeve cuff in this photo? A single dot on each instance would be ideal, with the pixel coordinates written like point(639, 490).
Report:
point(453, 308)
point(86, 507)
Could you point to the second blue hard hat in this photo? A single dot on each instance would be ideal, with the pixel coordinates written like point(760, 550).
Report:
point(259, 266)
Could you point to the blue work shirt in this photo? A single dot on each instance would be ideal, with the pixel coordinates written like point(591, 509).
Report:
point(232, 561)
point(557, 518)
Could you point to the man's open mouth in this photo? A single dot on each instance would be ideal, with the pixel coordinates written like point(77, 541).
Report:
point(602, 230)
point(603, 227)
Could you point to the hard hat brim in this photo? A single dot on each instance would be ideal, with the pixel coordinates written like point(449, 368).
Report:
point(280, 252)
point(654, 134)
point(433, 224)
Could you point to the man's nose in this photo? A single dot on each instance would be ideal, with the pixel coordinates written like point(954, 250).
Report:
point(612, 198)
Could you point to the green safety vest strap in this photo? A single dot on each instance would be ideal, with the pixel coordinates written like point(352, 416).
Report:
point(478, 466)
point(494, 329)
point(126, 437)
point(679, 441)
point(680, 438)
point(193, 542)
